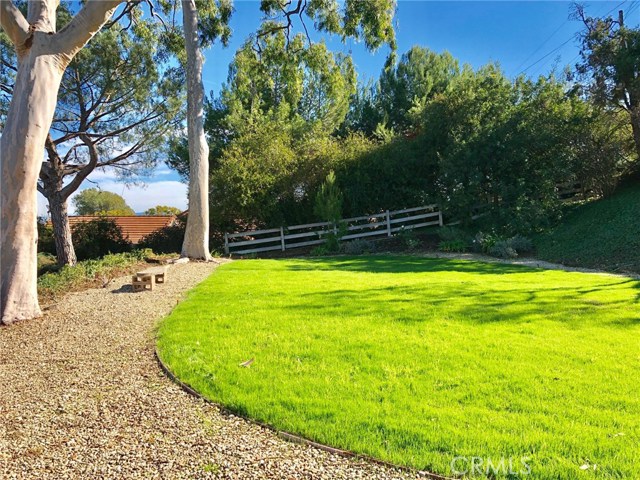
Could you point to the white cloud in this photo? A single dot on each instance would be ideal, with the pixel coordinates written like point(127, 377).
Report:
point(138, 197)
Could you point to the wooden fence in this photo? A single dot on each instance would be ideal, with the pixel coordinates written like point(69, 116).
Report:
point(296, 236)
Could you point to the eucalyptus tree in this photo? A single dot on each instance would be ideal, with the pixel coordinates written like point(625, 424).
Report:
point(43, 55)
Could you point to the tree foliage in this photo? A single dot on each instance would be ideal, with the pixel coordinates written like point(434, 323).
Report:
point(98, 238)
point(98, 202)
point(610, 65)
point(328, 203)
point(162, 210)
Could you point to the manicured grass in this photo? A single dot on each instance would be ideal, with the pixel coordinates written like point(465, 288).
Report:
point(417, 361)
point(604, 234)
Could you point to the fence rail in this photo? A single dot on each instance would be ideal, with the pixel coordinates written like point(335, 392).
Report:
point(296, 236)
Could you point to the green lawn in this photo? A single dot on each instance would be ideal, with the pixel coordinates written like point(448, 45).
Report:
point(604, 234)
point(417, 361)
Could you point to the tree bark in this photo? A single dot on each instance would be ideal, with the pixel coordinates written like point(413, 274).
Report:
point(196, 239)
point(65, 253)
point(30, 115)
point(43, 56)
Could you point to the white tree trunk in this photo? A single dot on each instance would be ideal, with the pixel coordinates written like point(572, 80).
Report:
point(196, 238)
point(21, 149)
point(42, 58)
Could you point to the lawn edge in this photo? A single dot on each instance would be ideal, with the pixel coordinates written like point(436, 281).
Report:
point(291, 437)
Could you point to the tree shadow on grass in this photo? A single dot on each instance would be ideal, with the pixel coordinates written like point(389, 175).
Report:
point(511, 301)
point(407, 264)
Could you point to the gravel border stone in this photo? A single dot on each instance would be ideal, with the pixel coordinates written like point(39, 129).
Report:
point(82, 396)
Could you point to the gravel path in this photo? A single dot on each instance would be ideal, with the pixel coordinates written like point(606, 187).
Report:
point(81, 396)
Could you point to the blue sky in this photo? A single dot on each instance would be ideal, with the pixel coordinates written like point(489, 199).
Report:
point(530, 37)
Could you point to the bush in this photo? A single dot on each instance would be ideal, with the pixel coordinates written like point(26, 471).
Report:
point(457, 246)
point(452, 234)
point(500, 247)
point(484, 242)
point(98, 238)
point(503, 249)
point(408, 238)
point(166, 240)
point(88, 272)
point(320, 251)
point(46, 263)
point(358, 247)
point(521, 244)
point(46, 242)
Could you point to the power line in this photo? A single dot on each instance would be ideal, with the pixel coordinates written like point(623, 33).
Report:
point(542, 45)
point(549, 53)
point(563, 43)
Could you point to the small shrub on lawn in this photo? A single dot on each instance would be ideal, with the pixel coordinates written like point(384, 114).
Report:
point(453, 246)
point(358, 247)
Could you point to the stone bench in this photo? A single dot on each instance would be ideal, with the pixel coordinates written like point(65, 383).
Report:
point(147, 279)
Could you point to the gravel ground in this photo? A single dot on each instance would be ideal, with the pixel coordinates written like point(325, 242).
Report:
point(81, 396)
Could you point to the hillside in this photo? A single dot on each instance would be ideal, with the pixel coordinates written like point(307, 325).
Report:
point(604, 234)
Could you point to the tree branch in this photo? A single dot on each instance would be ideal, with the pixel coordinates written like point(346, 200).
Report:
point(87, 22)
point(14, 23)
point(84, 173)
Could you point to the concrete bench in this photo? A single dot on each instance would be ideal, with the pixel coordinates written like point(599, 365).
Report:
point(147, 279)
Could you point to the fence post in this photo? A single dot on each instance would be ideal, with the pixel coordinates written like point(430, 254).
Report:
point(282, 238)
point(226, 243)
point(440, 218)
point(388, 224)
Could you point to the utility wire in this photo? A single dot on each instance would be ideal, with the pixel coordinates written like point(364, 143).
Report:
point(542, 45)
point(562, 44)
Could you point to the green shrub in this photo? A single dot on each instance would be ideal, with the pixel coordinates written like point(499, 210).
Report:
point(457, 246)
point(88, 272)
point(451, 234)
point(484, 242)
point(408, 238)
point(358, 247)
point(503, 249)
point(46, 263)
point(497, 246)
point(521, 244)
point(46, 242)
point(319, 251)
point(166, 240)
point(98, 238)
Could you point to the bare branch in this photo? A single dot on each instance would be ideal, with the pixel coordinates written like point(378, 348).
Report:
point(84, 173)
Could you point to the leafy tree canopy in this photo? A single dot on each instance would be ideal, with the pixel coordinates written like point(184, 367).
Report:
point(162, 210)
point(98, 202)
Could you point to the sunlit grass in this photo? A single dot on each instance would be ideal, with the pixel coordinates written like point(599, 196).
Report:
point(417, 361)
